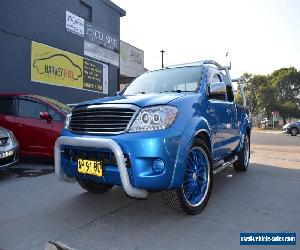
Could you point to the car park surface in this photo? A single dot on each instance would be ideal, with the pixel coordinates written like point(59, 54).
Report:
point(42, 209)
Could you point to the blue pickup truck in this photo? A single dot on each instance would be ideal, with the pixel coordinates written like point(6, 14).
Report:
point(170, 130)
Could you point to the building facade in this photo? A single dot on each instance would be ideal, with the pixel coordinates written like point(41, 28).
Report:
point(68, 50)
point(131, 63)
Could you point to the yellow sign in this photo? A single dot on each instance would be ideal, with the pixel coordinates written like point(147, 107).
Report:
point(54, 66)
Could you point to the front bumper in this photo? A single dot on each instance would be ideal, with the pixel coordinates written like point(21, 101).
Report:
point(8, 157)
point(141, 149)
point(99, 143)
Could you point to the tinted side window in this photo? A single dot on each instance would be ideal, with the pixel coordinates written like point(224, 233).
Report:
point(31, 109)
point(7, 106)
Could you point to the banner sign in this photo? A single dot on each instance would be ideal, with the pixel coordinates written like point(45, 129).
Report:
point(74, 24)
point(93, 76)
point(131, 60)
point(102, 54)
point(57, 67)
point(101, 37)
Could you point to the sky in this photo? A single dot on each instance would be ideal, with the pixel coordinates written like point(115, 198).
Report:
point(260, 36)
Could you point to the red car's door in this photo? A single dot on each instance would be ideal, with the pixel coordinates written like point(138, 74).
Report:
point(32, 132)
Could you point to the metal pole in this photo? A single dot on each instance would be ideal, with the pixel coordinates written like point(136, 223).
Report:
point(162, 58)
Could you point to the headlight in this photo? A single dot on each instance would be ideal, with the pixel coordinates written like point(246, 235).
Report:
point(154, 118)
point(12, 136)
point(67, 121)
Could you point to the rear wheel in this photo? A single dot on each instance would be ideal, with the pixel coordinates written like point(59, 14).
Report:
point(294, 131)
point(241, 165)
point(95, 187)
point(194, 193)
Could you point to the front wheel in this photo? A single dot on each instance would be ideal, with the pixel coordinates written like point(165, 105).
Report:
point(95, 187)
point(293, 131)
point(194, 193)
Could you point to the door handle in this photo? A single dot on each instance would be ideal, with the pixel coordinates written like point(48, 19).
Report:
point(20, 125)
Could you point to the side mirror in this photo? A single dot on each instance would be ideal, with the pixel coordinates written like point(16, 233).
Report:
point(118, 93)
point(45, 116)
point(217, 88)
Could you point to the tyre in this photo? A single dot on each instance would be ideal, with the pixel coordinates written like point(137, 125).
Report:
point(95, 187)
point(294, 131)
point(241, 165)
point(194, 193)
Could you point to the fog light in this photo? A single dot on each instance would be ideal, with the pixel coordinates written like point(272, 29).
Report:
point(158, 166)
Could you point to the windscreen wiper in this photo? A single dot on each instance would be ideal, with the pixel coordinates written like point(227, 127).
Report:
point(176, 91)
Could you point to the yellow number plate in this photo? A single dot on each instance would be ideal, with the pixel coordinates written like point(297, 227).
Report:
point(89, 167)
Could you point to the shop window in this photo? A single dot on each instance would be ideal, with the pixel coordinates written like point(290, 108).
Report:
point(86, 10)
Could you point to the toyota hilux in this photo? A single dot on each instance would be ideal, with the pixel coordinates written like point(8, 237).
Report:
point(170, 130)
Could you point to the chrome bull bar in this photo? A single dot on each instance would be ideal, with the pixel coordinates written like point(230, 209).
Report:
point(97, 143)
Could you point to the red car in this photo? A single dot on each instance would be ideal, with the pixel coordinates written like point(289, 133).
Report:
point(35, 121)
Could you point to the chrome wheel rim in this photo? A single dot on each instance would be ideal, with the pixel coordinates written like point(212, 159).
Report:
point(246, 151)
point(294, 131)
point(196, 179)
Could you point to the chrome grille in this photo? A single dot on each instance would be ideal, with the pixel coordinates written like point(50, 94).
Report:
point(104, 120)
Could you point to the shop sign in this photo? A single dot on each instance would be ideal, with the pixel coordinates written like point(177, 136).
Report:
point(57, 67)
point(74, 24)
point(101, 37)
point(131, 60)
point(94, 51)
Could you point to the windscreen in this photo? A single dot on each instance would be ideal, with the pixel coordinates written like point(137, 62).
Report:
point(184, 79)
